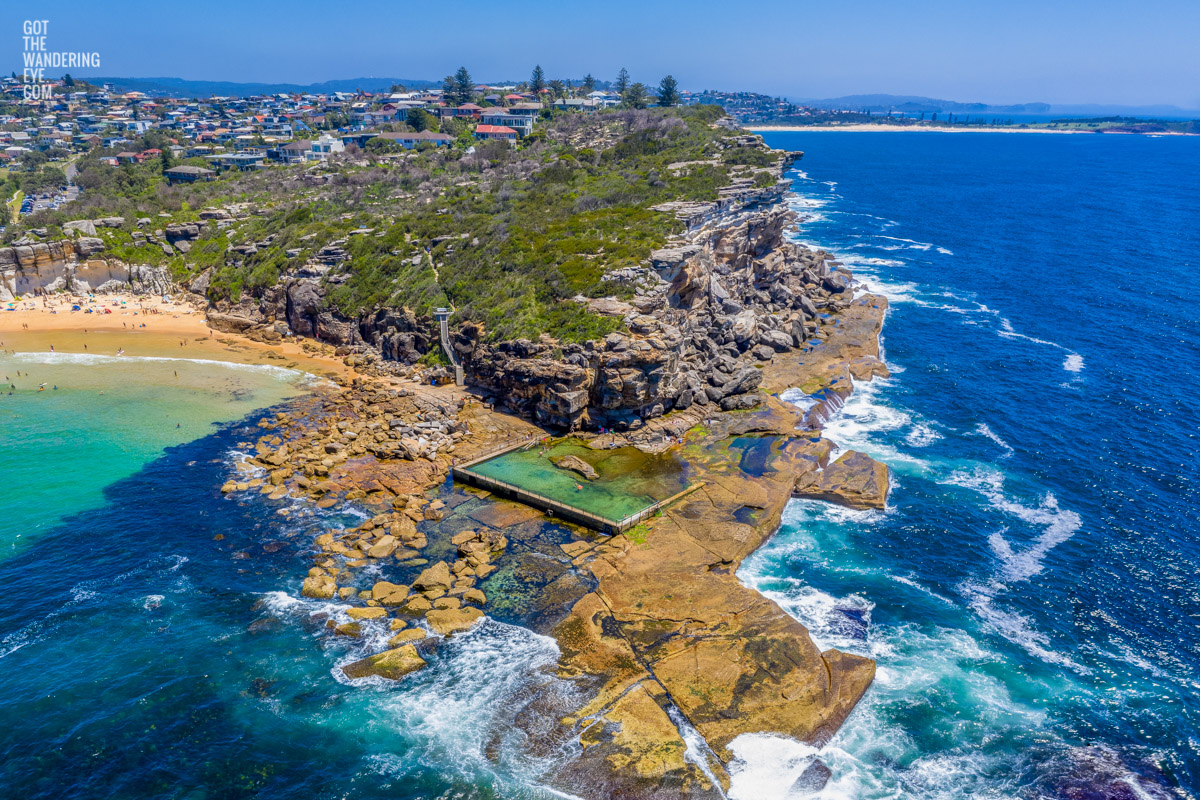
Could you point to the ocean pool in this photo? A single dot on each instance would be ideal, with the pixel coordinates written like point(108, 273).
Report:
point(627, 481)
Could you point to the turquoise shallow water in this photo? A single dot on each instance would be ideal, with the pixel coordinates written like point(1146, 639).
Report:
point(153, 641)
point(99, 419)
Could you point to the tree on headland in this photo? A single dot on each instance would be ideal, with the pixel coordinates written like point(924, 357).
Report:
point(397, 88)
point(165, 155)
point(589, 84)
point(668, 92)
point(635, 96)
point(449, 89)
point(557, 89)
point(420, 120)
point(464, 86)
point(622, 83)
point(68, 81)
point(537, 81)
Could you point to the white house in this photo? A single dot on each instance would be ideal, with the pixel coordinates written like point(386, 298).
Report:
point(325, 146)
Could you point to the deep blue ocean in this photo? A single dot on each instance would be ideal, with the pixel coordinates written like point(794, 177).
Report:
point(1031, 594)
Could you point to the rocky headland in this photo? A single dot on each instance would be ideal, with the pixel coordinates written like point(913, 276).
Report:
point(655, 630)
point(652, 622)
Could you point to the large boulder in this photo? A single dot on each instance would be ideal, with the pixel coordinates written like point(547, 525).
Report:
point(369, 612)
point(80, 227)
point(855, 480)
point(88, 245)
point(389, 594)
point(778, 341)
point(576, 464)
point(811, 780)
point(452, 620)
point(391, 664)
point(436, 576)
point(747, 379)
point(321, 587)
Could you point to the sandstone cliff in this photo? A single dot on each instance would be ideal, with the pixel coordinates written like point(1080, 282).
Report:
point(74, 265)
point(707, 314)
point(730, 296)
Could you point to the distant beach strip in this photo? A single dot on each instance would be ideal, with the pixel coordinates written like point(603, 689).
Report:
point(867, 128)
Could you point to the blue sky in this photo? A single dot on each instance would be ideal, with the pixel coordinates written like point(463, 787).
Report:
point(1058, 51)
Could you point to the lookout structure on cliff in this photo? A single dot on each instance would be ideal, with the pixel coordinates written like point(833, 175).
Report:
point(442, 315)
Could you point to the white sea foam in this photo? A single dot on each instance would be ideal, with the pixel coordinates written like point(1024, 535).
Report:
point(895, 292)
point(922, 435)
point(857, 424)
point(873, 756)
point(38, 628)
point(1058, 524)
point(797, 397)
point(802, 202)
point(1073, 361)
point(983, 430)
point(766, 766)
point(944, 251)
point(96, 359)
point(912, 244)
point(1015, 627)
point(1007, 331)
point(840, 622)
point(876, 262)
point(459, 713)
point(907, 581)
point(696, 750)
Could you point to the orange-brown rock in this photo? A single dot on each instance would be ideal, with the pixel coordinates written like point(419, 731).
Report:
point(392, 664)
point(669, 606)
point(855, 480)
point(452, 620)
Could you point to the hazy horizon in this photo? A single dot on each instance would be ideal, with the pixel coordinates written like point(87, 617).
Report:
point(1017, 52)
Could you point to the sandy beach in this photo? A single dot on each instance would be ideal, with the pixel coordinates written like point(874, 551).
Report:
point(145, 325)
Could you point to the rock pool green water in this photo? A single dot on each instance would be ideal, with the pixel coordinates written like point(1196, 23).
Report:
point(628, 480)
